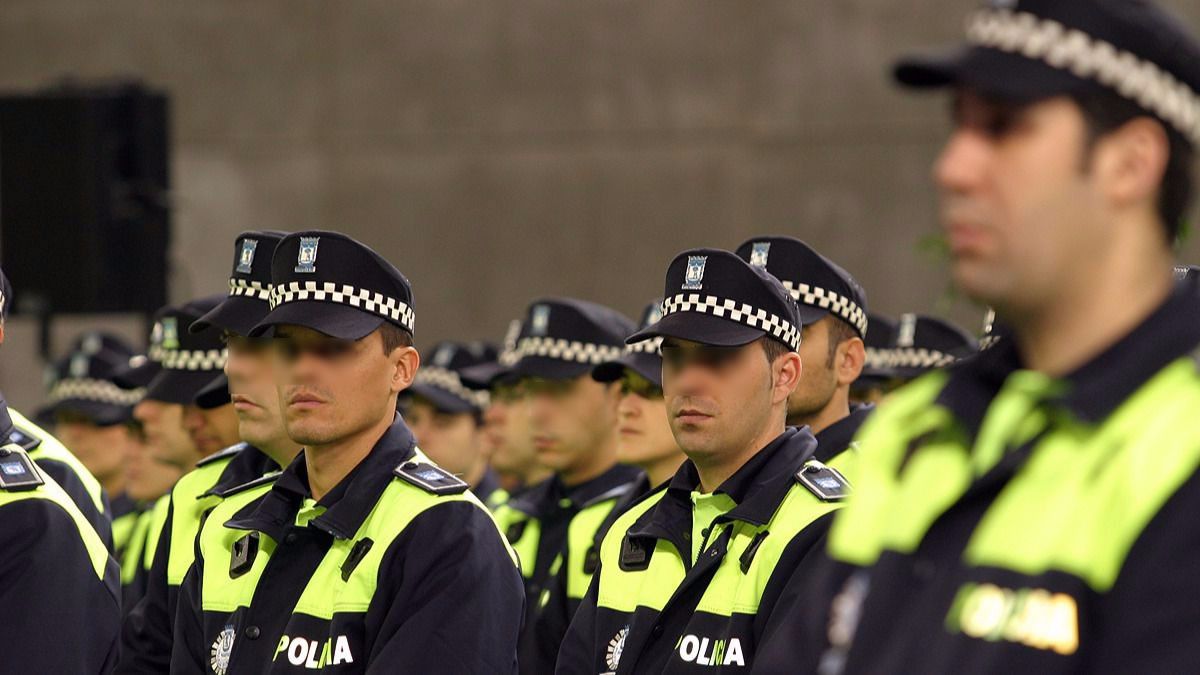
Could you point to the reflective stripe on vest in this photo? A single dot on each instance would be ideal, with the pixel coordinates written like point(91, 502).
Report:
point(51, 492)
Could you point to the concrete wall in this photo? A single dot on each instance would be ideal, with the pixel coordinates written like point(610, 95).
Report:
point(497, 151)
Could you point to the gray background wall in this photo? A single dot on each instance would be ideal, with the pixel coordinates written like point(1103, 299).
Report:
point(501, 150)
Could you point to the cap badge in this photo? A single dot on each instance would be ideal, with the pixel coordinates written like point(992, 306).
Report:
point(908, 331)
point(758, 254)
point(79, 366)
point(694, 277)
point(306, 259)
point(540, 320)
point(655, 315)
point(443, 356)
point(170, 333)
point(246, 258)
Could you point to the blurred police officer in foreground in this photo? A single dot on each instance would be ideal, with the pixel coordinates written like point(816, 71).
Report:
point(362, 555)
point(833, 307)
point(57, 572)
point(1033, 509)
point(244, 391)
point(688, 576)
point(446, 417)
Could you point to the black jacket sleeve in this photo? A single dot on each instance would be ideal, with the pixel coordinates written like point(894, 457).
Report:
point(47, 585)
point(451, 596)
point(1149, 622)
point(187, 647)
point(146, 631)
point(577, 651)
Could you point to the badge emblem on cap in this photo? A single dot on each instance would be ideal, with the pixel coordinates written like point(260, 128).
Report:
point(246, 258)
point(306, 259)
point(907, 333)
point(170, 333)
point(758, 254)
point(79, 366)
point(443, 356)
point(656, 315)
point(540, 320)
point(693, 279)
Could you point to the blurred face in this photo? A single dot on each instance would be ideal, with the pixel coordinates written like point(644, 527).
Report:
point(211, 430)
point(333, 389)
point(453, 440)
point(146, 477)
point(572, 421)
point(168, 440)
point(506, 426)
point(251, 372)
point(820, 382)
point(1018, 206)
point(102, 449)
point(644, 436)
point(719, 399)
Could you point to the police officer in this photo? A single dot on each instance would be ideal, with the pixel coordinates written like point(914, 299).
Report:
point(362, 555)
point(61, 588)
point(833, 308)
point(874, 381)
point(446, 417)
point(246, 389)
point(93, 416)
point(1034, 509)
point(506, 420)
point(572, 419)
point(688, 575)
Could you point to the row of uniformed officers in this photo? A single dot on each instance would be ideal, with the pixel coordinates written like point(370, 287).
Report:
point(281, 483)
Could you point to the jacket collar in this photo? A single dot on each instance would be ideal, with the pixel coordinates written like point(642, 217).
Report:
point(836, 438)
point(552, 494)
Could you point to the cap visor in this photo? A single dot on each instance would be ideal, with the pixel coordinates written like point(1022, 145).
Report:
point(332, 319)
point(648, 366)
point(990, 72)
point(236, 314)
point(440, 399)
point(702, 328)
point(483, 375)
point(549, 369)
point(214, 394)
point(179, 386)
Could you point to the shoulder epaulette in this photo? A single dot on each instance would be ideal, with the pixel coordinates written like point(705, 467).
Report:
point(223, 454)
point(430, 478)
point(261, 480)
point(17, 472)
point(24, 438)
point(826, 482)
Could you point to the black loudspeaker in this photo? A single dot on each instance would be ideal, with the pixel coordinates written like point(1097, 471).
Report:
point(84, 211)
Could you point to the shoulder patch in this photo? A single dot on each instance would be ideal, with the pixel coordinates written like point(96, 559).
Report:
point(430, 478)
point(24, 438)
point(826, 482)
point(261, 480)
point(17, 472)
point(223, 454)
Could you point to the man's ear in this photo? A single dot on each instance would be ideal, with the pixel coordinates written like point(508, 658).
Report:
point(1131, 162)
point(786, 374)
point(850, 358)
point(404, 361)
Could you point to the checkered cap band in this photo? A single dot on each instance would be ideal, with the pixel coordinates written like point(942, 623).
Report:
point(913, 357)
point(193, 359)
point(250, 289)
point(88, 389)
point(774, 325)
point(449, 381)
point(842, 307)
point(877, 358)
point(1091, 59)
point(651, 346)
point(359, 298)
point(567, 350)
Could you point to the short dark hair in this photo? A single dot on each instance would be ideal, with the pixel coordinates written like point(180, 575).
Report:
point(394, 337)
point(773, 348)
point(839, 332)
point(1105, 112)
